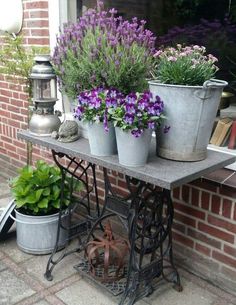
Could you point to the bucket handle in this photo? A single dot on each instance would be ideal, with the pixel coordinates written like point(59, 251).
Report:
point(31, 223)
point(215, 83)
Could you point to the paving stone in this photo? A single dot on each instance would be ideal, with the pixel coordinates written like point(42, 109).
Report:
point(83, 292)
point(2, 266)
point(9, 247)
point(4, 201)
point(12, 289)
point(4, 190)
point(191, 295)
point(36, 267)
point(42, 303)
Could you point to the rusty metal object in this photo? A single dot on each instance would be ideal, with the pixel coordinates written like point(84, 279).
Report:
point(109, 254)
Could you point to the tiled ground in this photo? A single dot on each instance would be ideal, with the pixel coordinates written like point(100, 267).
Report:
point(22, 281)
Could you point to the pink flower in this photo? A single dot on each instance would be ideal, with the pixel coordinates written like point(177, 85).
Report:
point(172, 58)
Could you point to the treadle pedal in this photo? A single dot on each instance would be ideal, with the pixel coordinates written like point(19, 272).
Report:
point(80, 228)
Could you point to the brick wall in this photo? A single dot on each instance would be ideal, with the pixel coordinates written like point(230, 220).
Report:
point(205, 214)
point(13, 99)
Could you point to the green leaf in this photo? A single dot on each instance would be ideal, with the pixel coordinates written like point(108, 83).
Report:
point(43, 204)
point(46, 191)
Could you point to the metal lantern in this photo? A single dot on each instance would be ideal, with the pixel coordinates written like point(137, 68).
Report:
point(44, 120)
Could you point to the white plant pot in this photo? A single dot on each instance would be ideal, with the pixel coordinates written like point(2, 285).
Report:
point(101, 142)
point(133, 151)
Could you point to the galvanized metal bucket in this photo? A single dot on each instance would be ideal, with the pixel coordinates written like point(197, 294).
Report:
point(101, 142)
point(37, 234)
point(133, 151)
point(190, 111)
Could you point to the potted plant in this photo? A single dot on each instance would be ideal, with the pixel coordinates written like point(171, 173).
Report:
point(102, 49)
point(183, 79)
point(135, 118)
point(37, 194)
point(93, 108)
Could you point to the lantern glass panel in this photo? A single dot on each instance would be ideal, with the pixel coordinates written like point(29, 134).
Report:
point(44, 89)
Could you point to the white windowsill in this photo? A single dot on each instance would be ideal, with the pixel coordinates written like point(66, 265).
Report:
point(227, 151)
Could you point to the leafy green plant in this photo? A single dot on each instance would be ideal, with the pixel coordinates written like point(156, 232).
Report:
point(103, 50)
point(189, 66)
point(37, 190)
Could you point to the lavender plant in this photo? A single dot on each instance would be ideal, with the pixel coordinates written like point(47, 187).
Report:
point(137, 112)
point(184, 65)
point(103, 50)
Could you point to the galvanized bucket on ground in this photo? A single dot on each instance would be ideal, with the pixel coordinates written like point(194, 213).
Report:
point(101, 142)
point(190, 111)
point(37, 234)
point(133, 151)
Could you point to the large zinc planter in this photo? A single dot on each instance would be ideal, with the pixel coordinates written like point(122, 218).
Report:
point(133, 151)
point(37, 234)
point(190, 112)
point(101, 142)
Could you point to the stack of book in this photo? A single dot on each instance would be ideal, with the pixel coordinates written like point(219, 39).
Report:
point(225, 131)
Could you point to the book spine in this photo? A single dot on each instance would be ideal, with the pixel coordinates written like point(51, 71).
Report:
point(232, 138)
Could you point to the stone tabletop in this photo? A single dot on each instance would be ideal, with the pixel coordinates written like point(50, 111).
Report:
point(164, 173)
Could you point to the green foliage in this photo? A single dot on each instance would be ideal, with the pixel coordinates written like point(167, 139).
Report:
point(17, 59)
point(37, 191)
point(122, 69)
point(188, 66)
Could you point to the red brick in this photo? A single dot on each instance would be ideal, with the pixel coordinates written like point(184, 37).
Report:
point(36, 4)
point(17, 117)
point(228, 191)
point(6, 139)
point(24, 97)
point(216, 232)
point(13, 155)
point(4, 99)
point(204, 238)
point(178, 227)
point(235, 211)
point(37, 24)
point(122, 184)
point(185, 219)
point(16, 103)
point(189, 210)
point(10, 147)
point(12, 108)
point(16, 95)
point(5, 114)
point(218, 222)
point(185, 193)
point(215, 204)
point(203, 249)
point(5, 93)
point(19, 144)
point(26, 15)
point(226, 208)
point(229, 250)
point(224, 259)
point(176, 193)
point(195, 197)
point(38, 41)
point(15, 87)
point(38, 14)
point(207, 185)
point(4, 85)
point(40, 32)
point(14, 123)
point(205, 200)
point(183, 240)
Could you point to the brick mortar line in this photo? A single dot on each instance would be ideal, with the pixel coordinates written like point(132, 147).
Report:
point(232, 221)
point(212, 192)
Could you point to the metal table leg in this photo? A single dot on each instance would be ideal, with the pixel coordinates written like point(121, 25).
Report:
point(77, 171)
